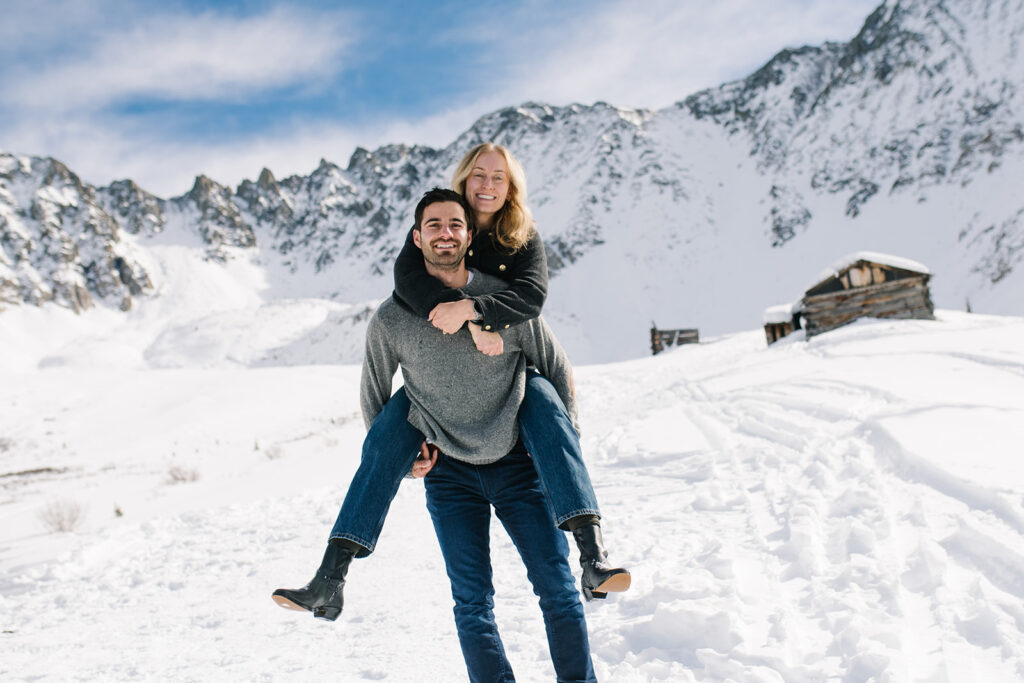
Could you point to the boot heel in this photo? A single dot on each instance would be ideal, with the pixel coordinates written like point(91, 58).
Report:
point(599, 577)
point(327, 612)
point(616, 583)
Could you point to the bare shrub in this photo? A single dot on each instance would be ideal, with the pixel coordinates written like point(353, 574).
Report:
point(182, 475)
point(273, 452)
point(62, 516)
point(6, 444)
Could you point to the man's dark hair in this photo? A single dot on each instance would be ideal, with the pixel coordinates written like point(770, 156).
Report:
point(438, 195)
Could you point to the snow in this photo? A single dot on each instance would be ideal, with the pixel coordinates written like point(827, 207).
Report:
point(780, 313)
point(845, 508)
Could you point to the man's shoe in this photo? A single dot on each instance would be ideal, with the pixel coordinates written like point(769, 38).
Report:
point(322, 596)
point(599, 578)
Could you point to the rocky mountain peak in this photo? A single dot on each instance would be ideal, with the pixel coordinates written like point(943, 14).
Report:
point(219, 220)
point(57, 241)
point(136, 210)
point(266, 181)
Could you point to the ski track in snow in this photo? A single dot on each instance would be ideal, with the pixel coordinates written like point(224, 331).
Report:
point(778, 522)
point(813, 544)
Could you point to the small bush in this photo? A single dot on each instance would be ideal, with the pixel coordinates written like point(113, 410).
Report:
point(182, 475)
point(62, 516)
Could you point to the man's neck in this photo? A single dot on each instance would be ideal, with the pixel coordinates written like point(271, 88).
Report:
point(455, 277)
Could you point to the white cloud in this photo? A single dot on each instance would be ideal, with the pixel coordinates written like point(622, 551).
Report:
point(658, 53)
point(100, 152)
point(189, 57)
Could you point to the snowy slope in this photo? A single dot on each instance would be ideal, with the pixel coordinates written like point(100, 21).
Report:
point(849, 508)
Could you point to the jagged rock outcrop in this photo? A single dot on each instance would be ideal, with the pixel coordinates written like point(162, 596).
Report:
point(57, 243)
point(135, 210)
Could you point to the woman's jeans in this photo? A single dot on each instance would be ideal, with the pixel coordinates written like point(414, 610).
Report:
point(389, 450)
point(554, 445)
point(392, 444)
point(459, 498)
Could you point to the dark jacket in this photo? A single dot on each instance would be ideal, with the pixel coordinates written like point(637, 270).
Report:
point(526, 271)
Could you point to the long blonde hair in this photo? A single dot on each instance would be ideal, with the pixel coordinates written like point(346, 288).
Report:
point(513, 225)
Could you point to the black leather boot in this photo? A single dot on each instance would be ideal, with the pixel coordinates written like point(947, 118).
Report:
point(599, 578)
point(321, 596)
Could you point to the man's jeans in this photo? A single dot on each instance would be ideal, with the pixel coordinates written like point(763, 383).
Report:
point(392, 444)
point(459, 498)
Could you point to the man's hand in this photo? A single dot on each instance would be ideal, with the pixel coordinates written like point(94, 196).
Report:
point(426, 461)
point(450, 316)
point(487, 343)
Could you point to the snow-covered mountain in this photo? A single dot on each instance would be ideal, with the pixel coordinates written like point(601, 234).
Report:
point(909, 139)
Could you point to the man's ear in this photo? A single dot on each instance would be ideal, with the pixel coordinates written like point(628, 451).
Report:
point(416, 238)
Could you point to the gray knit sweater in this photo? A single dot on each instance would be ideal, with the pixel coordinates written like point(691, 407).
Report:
point(463, 401)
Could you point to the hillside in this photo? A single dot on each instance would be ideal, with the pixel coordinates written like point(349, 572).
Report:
point(848, 508)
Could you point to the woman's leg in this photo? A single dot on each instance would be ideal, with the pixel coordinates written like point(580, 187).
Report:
point(520, 505)
point(554, 445)
point(462, 516)
point(390, 447)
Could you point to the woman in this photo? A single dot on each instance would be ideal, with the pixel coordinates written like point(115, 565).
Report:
point(505, 244)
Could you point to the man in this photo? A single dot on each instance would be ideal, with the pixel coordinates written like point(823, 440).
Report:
point(465, 403)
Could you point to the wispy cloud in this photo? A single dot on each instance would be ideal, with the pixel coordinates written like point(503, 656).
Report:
point(167, 165)
point(207, 56)
point(658, 53)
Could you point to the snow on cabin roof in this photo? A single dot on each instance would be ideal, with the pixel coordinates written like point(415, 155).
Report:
point(780, 313)
point(873, 256)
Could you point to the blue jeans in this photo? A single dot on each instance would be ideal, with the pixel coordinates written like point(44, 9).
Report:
point(392, 444)
point(554, 445)
point(459, 498)
point(389, 449)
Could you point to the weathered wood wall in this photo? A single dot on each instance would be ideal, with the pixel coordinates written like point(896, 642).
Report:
point(904, 298)
point(773, 332)
point(662, 339)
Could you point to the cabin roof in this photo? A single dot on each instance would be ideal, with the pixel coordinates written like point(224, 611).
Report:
point(780, 313)
point(874, 257)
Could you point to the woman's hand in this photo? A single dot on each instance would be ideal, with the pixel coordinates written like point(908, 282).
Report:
point(426, 461)
point(450, 316)
point(487, 343)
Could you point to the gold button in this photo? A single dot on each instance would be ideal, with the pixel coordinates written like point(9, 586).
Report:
point(487, 327)
point(470, 252)
point(506, 327)
point(501, 267)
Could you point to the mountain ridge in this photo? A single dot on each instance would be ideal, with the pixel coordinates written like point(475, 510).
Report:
point(915, 120)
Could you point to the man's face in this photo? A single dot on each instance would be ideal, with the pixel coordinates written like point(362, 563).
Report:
point(443, 235)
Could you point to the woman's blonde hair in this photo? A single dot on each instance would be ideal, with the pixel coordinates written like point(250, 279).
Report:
point(513, 224)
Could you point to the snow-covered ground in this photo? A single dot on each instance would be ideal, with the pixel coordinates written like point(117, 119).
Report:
point(848, 508)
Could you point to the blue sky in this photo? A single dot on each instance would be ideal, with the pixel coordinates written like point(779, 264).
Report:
point(161, 92)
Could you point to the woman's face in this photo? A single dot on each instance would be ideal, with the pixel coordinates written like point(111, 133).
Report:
point(487, 187)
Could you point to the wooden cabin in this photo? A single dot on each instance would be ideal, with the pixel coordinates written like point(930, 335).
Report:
point(662, 339)
point(781, 320)
point(862, 285)
point(866, 285)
